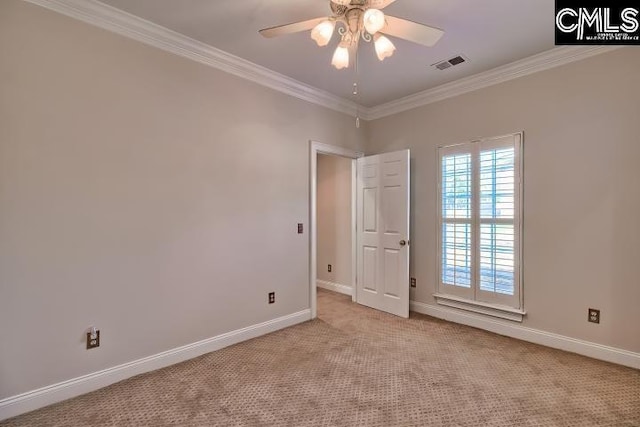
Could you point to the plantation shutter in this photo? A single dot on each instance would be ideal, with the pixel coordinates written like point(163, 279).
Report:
point(479, 227)
point(456, 226)
point(497, 221)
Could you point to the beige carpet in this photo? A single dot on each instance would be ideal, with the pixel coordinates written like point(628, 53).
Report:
point(359, 367)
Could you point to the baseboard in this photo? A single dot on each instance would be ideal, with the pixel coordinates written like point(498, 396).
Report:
point(32, 400)
point(536, 336)
point(336, 287)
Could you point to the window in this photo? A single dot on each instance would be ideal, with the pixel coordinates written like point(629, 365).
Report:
point(479, 226)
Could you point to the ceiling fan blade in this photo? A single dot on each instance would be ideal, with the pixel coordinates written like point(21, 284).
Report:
point(412, 31)
point(380, 4)
point(296, 27)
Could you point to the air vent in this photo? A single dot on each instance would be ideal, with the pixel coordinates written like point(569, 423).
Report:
point(443, 65)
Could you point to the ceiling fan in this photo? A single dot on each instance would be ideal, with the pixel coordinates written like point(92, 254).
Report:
point(360, 19)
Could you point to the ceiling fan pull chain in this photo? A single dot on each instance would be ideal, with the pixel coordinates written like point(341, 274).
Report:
point(355, 89)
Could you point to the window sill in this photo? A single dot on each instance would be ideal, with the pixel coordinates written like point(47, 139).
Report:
point(480, 307)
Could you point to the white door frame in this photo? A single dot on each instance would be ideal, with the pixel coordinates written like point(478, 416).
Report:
point(315, 149)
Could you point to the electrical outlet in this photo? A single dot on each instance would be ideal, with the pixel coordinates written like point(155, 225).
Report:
point(594, 315)
point(329, 268)
point(413, 282)
point(300, 228)
point(93, 339)
point(272, 297)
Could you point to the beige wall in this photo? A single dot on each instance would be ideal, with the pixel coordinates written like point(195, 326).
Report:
point(334, 219)
point(581, 188)
point(143, 193)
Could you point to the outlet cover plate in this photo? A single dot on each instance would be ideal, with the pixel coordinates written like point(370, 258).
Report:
point(93, 343)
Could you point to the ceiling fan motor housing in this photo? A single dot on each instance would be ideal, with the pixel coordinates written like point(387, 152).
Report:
point(337, 9)
point(354, 18)
point(343, 8)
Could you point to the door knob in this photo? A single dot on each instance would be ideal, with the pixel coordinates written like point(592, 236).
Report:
point(403, 242)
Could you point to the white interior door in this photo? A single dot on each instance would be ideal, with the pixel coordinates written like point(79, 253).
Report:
point(383, 232)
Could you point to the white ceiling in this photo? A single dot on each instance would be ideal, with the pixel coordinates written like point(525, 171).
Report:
point(489, 33)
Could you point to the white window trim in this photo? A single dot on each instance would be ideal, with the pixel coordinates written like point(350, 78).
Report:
point(494, 310)
point(460, 301)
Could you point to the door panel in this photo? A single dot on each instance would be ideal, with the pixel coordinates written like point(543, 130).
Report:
point(370, 268)
point(370, 171)
point(383, 223)
point(370, 213)
point(393, 218)
point(391, 270)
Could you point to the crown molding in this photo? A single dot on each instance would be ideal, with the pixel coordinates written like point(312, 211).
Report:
point(543, 61)
point(115, 20)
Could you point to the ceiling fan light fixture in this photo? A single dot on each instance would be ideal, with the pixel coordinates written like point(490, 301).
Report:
point(384, 47)
point(373, 20)
point(340, 57)
point(359, 21)
point(323, 32)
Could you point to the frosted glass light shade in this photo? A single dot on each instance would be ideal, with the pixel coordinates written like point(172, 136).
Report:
point(373, 20)
point(384, 47)
point(340, 58)
point(322, 32)
point(342, 2)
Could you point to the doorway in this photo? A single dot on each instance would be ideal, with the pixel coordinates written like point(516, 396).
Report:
point(380, 206)
point(339, 166)
point(334, 224)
